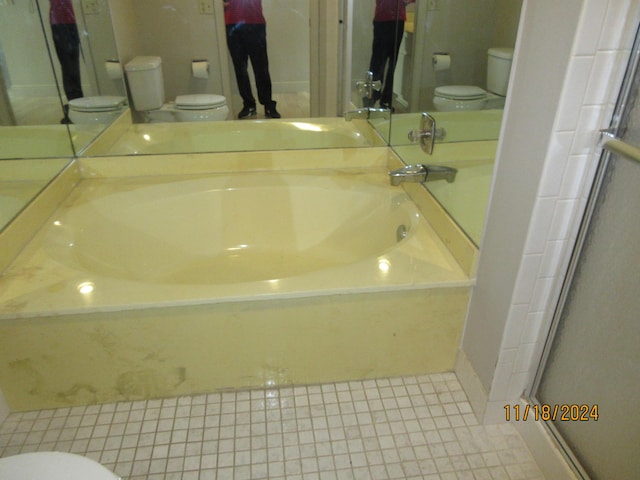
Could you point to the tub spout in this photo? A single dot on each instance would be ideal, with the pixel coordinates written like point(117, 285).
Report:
point(439, 172)
point(367, 113)
point(422, 173)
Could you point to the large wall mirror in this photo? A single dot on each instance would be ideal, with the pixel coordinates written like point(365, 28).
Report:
point(454, 62)
point(36, 138)
point(185, 35)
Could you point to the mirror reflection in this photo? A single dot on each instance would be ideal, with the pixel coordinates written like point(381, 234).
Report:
point(454, 62)
point(51, 77)
point(30, 108)
point(179, 52)
point(188, 65)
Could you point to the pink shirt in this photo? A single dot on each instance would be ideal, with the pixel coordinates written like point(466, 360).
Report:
point(243, 11)
point(391, 10)
point(61, 11)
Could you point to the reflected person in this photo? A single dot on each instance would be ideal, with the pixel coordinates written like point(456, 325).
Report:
point(247, 40)
point(388, 29)
point(66, 40)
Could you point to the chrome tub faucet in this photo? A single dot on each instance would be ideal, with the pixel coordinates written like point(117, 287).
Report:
point(419, 173)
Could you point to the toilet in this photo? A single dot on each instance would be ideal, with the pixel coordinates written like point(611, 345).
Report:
point(451, 98)
point(100, 109)
point(53, 466)
point(146, 85)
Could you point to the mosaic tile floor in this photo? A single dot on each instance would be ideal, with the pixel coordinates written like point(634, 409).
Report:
point(399, 428)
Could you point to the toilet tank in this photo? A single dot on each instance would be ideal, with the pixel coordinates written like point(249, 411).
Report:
point(498, 69)
point(144, 75)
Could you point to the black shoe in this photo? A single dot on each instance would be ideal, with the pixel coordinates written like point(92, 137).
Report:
point(387, 106)
point(247, 112)
point(65, 120)
point(271, 112)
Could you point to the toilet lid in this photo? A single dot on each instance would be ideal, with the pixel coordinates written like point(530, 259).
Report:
point(97, 104)
point(200, 101)
point(460, 92)
point(53, 466)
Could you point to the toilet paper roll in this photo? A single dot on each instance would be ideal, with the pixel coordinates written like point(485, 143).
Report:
point(200, 69)
point(441, 61)
point(114, 69)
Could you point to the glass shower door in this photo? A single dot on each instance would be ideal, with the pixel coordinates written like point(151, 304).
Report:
point(587, 386)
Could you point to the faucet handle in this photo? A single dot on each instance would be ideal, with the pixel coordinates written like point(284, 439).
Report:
point(367, 86)
point(427, 133)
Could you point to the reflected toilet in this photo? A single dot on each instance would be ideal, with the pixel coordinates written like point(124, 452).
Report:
point(53, 466)
point(144, 75)
point(99, 109)
point(451, 98)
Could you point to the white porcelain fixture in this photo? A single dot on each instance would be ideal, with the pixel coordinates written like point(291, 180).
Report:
point(451, 98)
point(144, 75)
point(53, 466)
point(99, 109)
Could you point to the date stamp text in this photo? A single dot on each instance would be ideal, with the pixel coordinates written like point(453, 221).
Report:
point(562, 412)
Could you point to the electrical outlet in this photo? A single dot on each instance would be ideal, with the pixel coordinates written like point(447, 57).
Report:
point(205, 7)
point(91, 7)
point(433, 5)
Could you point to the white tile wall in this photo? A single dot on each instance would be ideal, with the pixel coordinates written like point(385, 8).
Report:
point(599, 57)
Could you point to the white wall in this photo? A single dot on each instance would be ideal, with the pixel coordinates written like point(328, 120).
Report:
point(561, 97)
point(26, 55)
point(21, 39)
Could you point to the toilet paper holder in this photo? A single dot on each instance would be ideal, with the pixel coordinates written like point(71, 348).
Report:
point(440, 60)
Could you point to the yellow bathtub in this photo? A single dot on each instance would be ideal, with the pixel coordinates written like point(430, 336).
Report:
point(151, 286)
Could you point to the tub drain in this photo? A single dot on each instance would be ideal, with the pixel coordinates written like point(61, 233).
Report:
point(401, 233)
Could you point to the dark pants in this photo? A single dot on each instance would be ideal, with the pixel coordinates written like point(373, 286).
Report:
point(249, 42)
point(67, 44)
point(384, 53)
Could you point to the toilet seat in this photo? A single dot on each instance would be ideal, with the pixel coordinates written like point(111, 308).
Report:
point(97, 104)
point(460, 92)
point(53, 466)
point(200, 101)
point(453, 98)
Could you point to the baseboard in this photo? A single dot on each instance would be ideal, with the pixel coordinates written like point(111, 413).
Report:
point(476, 394)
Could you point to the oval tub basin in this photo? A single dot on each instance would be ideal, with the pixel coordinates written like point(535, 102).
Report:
point(222, 230)
point(166, 240)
